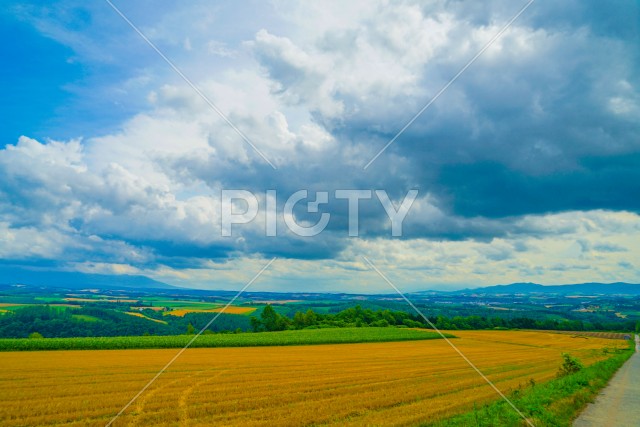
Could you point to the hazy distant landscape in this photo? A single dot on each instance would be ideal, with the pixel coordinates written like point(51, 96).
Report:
point(127, 309)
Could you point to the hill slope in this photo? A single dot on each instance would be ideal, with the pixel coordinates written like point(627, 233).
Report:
point(618, 288)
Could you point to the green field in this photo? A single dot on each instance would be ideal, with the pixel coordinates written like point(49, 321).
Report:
point(61, 306)
point(182, 303)
point(85, 318)
point(283, 338)
point(196, 305)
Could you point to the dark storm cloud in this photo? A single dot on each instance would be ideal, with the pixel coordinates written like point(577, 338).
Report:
point(494, 190)
point(549, 123)
point(546, 122)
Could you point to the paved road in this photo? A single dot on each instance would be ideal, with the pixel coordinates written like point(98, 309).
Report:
point(618, 405)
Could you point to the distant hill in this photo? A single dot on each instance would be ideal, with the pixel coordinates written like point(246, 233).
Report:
point(618, 288)
point(74, 280)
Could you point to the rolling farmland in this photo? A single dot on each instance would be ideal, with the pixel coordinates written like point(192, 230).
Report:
point(396, 383)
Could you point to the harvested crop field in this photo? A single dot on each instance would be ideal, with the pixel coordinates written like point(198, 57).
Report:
point(397, 383)
point(607, 335)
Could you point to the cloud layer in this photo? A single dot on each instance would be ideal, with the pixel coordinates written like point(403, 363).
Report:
point(527, 166)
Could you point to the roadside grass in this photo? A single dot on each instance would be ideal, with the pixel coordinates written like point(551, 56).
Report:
point(554, 403)
point(254, 339)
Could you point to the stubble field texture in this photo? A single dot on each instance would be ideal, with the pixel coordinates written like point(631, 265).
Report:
point(396, 383)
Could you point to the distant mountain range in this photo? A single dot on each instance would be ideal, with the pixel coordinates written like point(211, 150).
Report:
point(618, 288)
point(74, 280)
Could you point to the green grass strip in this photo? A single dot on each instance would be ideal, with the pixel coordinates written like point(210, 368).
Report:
point(283, 338)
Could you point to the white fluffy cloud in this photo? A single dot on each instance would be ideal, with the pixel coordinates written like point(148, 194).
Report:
point(544, 123)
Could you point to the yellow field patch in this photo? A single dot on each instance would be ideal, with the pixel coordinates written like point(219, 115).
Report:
point(229, 310)
point(237, 310)
point(399, 383)
point(145, 317)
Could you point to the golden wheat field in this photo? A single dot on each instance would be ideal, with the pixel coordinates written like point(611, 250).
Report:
point(609, 335)
point(229, 310)
point(400, 383)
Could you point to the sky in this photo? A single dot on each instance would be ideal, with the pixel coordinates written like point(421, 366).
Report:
point(527, 165)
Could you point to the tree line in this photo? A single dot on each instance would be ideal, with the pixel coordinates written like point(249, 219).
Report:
point(271, 320)
point(96, 322)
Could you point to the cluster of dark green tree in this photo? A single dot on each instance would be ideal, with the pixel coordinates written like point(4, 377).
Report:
point(481, 322)
point(271, 320)
point(61, 322)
